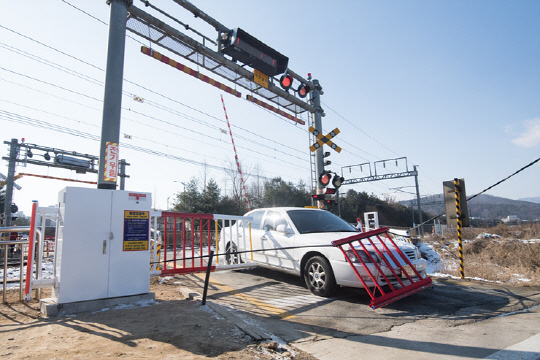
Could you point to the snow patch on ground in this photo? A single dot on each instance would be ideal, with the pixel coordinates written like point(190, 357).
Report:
point(434, 261)
point(47, 271)
point(436, 266)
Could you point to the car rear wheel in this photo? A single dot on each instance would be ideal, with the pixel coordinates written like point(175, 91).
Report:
point(319, 277)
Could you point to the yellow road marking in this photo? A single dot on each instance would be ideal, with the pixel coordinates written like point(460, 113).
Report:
point(274, 310)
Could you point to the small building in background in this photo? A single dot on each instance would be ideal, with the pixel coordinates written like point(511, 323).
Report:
point(510, 219)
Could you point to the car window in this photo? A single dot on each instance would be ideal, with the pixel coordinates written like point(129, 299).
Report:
point(257, 218)
point(273, 219)
point(311, 221)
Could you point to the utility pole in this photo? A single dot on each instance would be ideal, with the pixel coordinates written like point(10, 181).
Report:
point(420, 228)
point(317, 122)
point(112, 103)
point(13, 152)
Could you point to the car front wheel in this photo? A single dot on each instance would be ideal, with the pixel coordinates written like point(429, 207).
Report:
point(319, 277)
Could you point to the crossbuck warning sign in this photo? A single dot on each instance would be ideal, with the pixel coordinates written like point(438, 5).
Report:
point(324, 139)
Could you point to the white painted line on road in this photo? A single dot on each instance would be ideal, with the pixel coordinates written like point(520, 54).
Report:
point(526, 350)
point(299, 300)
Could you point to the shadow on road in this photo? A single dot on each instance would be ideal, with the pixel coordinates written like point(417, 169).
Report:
point(347, 315)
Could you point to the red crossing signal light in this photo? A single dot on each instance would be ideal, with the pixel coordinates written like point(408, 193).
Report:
point(303, 90)
point(286, 81)
point(325, 177)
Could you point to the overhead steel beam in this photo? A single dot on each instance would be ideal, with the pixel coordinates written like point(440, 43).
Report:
point(57, 151)
point(62, 166)
point(380, 177)
point(171, 37)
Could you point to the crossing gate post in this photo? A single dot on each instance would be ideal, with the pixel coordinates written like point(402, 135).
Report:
point(388, 266)
point(30, 259)
point(460, 238)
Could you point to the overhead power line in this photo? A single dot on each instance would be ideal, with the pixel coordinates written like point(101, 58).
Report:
point(486, 189)
point(160, 120)
point(62, 129)
point(372, 138)
point(51, 48)
point(163, 107)
point(362, 131)
point(51, 84)
point(506, 178)
point(84, 12)
point(251, 151)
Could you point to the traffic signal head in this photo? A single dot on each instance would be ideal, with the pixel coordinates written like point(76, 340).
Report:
point(337, 181)
point(330, 202)
point(286, 82)
point(326, 162)
point(303, 90)
point(324, 178)
point(320, 197)
point(330, 191)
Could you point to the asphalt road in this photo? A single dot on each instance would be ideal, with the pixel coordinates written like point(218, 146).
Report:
point(456, 319)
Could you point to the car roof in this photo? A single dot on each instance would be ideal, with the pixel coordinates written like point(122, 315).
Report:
point(286, 208)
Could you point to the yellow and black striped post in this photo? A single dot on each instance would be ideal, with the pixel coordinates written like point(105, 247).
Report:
point(460, 238)
point(158, 255)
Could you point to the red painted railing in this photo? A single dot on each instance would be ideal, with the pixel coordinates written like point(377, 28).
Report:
point(187, 242)
point(403, 279)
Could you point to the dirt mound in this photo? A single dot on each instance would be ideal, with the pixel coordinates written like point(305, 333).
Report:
point(172, 326)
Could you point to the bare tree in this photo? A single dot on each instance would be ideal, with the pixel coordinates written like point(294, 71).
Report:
point(235, 180)
point(256, 186)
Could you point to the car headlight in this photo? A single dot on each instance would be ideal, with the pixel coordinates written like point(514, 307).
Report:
point(365, 258)
point(417, 253)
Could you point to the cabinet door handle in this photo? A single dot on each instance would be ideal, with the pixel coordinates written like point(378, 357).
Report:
point(104, 246)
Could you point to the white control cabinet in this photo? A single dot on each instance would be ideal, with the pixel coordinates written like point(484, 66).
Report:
point(371, 220)
point(103, 244)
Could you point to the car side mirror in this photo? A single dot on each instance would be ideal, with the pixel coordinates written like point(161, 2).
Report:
point(282, 228)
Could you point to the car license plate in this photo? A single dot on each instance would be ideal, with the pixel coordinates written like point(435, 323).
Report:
point(409, 271)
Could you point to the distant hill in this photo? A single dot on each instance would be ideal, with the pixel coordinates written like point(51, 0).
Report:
point(532, 199)
point(485, 207)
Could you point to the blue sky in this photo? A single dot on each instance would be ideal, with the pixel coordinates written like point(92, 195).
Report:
point(454, 86)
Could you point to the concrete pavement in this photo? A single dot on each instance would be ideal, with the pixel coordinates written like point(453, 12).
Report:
point(517, 334)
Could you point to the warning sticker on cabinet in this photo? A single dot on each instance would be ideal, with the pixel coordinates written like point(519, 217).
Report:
point(136, 230)
point(137, 197)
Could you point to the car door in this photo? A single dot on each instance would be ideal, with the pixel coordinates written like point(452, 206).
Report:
point(256, 235)
point(276, 240)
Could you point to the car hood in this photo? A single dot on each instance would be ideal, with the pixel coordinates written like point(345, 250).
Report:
point(324, 238)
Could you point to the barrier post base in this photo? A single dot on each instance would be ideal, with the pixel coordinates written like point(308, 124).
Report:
point(50, 308)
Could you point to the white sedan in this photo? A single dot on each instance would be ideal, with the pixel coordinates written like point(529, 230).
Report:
point(298, 241)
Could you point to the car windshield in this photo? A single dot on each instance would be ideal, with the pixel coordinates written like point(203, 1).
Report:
point(311, 221)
